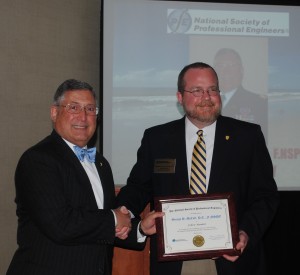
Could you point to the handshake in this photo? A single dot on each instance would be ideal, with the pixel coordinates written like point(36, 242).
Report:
point(123, 226)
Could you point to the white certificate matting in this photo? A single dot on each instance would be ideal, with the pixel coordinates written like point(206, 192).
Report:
point(191, 226)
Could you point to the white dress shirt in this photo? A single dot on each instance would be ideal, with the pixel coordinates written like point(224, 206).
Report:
point(227, 96)
point(91, 170)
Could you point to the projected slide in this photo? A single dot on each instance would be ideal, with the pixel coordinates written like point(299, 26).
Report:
point(255, 50)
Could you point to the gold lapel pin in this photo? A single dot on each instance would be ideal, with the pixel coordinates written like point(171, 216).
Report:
point(227, 137)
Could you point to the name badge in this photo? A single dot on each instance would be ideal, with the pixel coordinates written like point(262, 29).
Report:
point(164, 166)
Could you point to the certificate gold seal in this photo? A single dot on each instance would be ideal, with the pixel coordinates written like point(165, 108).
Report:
point(198, 241)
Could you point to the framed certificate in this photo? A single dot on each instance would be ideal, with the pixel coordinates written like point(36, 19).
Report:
point(196, 226)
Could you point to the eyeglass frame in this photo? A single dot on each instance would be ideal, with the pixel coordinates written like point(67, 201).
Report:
point(213, 91)
point(67, 106)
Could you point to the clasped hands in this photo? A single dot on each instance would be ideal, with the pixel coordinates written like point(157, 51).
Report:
point(123, 226)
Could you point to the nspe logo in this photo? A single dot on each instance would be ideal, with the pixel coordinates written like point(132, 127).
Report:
point(179, 21)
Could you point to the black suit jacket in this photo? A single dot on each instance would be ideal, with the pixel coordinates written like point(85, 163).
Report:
point(240, 164)
point(248, 106)
point(61, 231)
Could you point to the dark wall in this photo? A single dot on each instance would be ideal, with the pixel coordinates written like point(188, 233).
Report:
point(282, 240)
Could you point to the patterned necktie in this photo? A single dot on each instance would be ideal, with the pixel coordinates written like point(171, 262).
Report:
point(90, 153)
point(198, 169)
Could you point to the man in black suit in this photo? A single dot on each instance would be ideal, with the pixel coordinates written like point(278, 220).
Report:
point(237, 160)
point(66, 221)
point(237, 102)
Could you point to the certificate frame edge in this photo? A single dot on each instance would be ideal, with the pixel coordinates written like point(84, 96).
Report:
point(208, 254)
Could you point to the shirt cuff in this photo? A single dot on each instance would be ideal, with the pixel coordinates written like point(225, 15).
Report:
point(114, 217)
point(140, 237)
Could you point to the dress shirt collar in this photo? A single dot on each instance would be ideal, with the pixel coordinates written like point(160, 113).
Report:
point(71, 145)
point(191, 129)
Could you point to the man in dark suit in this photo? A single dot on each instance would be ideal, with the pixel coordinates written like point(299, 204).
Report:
point(66, 221)
point(237, 102)
point(237, 160)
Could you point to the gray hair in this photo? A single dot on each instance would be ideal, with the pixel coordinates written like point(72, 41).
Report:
point(71, 85)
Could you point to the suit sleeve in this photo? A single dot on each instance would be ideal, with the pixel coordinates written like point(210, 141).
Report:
point(137, 193)
point(131, 242)
point(263, 197)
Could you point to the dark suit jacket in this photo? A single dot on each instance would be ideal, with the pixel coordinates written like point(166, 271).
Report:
point(240, 164)
point(248, 106)
point(61, 231)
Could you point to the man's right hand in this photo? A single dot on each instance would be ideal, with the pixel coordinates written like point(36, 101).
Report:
point(123, 226)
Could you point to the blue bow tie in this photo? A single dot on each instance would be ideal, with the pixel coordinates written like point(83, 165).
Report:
point(90, 153)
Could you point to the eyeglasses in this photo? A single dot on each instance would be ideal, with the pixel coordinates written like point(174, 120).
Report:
point(197, 92)
point(75, 108)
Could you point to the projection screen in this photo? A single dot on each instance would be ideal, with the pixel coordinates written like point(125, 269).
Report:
point(146, 44)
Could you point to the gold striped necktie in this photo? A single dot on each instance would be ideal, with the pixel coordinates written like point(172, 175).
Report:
point(198, 168)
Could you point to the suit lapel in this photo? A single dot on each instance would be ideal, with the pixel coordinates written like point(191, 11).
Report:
point(222, 149)
point(178, 143)
point(68, 155)
point(107, 183)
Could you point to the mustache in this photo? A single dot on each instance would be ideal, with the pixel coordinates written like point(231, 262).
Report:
point(206, 103)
